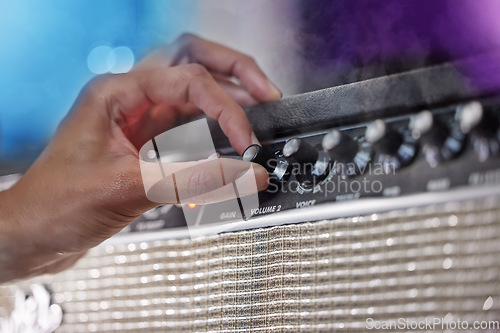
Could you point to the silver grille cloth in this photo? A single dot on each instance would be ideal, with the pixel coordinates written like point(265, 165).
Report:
point(431, 262)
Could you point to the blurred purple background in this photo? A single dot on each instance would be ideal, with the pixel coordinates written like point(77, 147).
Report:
point(352, 40)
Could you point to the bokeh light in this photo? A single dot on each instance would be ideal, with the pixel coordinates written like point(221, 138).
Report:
point(51, 49)
point(100, 59)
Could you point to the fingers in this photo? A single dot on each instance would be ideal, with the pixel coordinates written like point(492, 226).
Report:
point(202, 182)
point(193, 84)
point(157, 120)
point(224, 60)
point(236, 91)
point(127, 97)
point(216, 58)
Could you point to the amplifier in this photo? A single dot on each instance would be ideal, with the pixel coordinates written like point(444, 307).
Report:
point(382, 213)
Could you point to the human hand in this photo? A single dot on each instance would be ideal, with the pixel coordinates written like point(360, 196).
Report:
point(87, 186)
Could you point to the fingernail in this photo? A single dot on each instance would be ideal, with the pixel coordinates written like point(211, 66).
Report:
point(254, 139)
point(243, 174)
point(214, 155)
point(274, 92)
point(257, 174)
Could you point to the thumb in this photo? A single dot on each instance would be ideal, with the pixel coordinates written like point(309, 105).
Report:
point(201, 182)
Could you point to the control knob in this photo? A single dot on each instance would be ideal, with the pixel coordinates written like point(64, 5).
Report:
point(483, 128)
point(278, 168)
point(310, 165)
point(395, 149)
point(349, 156)
point(439, 142)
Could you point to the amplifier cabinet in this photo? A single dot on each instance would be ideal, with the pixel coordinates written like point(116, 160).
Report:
point(422, 258)
point(405, 266)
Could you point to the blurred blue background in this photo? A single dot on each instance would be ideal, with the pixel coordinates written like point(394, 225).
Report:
point(50, 49)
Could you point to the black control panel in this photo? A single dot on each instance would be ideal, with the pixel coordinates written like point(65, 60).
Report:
point(430, 150)
point(433, 150)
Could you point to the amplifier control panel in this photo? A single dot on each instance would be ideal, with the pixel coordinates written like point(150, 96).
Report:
point(432, 150)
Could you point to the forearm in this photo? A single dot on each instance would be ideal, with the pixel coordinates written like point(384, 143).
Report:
point(19, 255)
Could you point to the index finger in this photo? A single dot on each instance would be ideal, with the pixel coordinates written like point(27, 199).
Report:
point(127, 96)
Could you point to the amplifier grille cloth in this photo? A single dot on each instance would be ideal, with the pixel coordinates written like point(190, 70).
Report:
point(435, 261)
